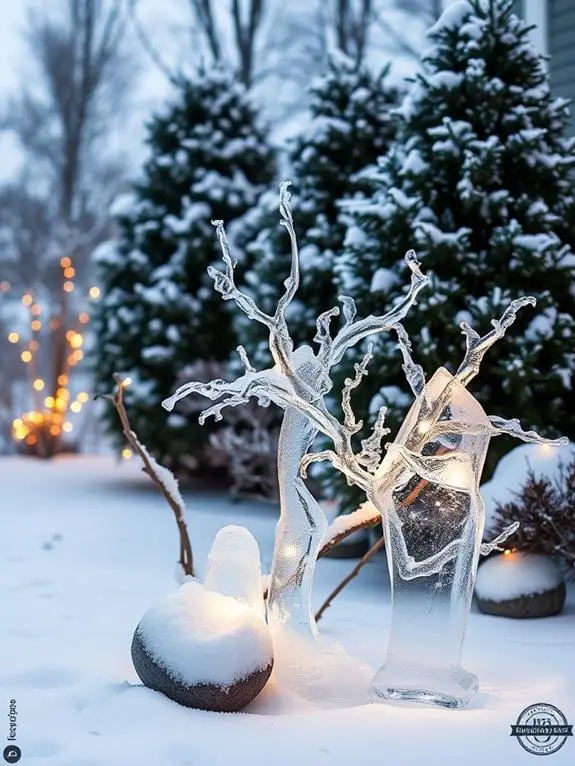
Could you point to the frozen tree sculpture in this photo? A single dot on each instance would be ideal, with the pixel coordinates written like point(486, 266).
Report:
point(299, 376)
point(426, 487)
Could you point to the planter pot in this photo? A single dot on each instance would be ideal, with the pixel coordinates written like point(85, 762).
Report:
point(520, 585)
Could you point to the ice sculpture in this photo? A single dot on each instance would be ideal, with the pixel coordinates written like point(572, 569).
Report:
point(426, 487)
point(305, 375)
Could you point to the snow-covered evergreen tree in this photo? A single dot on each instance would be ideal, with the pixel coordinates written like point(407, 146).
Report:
point(480, 183)
point(350, 127)
point(209, 160)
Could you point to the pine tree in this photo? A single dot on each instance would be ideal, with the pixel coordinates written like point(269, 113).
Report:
point(350, 126)
point(479, 183)
point(209, 160)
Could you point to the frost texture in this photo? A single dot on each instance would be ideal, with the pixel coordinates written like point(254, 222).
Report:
point(426, 488)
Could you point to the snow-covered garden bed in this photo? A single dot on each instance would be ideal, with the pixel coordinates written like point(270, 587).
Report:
point(88, 545)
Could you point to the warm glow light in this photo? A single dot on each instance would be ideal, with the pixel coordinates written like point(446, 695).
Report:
point(62, 380)
point(67, 427)
point(126, 382)
point(76, 340)
point(290, 551)
point(545, 449)
point(36, 325)
point(13, 337)
point(38, 384)
point(506, 552)
point(26, 356)
point(65, 262)
point(76, 406)
point(424, 426)
point(69, 335)
point(127, 453)
point(54, 430)
point(17, 424)
point(83, 318)
point(27, 300)
point(79, 355)
point(31, 439)
point(94, 292)
point(35, 309)
point(69, 272)
point(68, 287)
point(49, 401)
point(83, 397)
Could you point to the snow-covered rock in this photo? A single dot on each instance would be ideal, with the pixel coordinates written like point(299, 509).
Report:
point(208, 646)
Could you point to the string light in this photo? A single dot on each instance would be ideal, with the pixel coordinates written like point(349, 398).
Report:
point(127, 453)
point(49, 420)
point(126, 382)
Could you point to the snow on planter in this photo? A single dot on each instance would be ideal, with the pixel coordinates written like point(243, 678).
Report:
point(517, 584)
point(208, 646)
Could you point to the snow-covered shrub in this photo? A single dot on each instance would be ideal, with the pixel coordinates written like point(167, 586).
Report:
point(350, 126)
point(545, 510)
point(209, 160)
point(480, 184)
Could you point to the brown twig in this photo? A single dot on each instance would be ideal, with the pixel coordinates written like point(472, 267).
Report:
point(117, 398)
point(354, 572)
point(336, 539)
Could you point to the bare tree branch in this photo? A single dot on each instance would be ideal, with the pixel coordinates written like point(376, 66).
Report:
point(161, 476)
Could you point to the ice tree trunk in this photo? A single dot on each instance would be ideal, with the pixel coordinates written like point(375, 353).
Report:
point(427, 490)
point(300, 531)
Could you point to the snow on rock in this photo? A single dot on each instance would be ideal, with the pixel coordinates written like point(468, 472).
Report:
point(511, 472)
point(202, 637)
point(234, 567)
point(506, 577)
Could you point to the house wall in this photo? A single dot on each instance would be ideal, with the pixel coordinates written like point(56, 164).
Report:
point(554, 36)
point(561, 35)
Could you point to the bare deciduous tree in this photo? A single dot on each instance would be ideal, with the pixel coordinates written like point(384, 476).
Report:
point(63, 119)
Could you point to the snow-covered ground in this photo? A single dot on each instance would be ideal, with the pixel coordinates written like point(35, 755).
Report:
point(87, 545)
